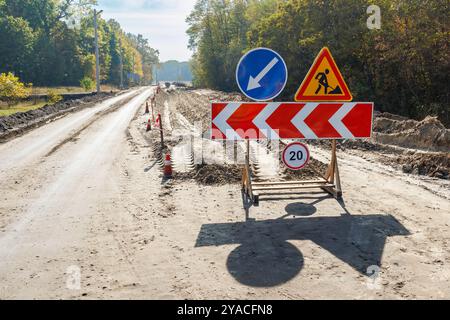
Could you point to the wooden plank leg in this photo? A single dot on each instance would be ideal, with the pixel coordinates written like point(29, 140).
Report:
point(334, 176)
point(249, 184)
point(332, 191)
point(333, 163)
point(247, 178)
point(244, 179)
point(338, 182)
point(329, 175)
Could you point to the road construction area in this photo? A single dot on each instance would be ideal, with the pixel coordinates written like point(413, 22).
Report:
point(85, 213)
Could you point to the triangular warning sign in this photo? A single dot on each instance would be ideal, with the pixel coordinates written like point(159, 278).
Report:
point(324, 81)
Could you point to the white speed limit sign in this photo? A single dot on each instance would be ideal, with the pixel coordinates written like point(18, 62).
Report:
point(296, 156)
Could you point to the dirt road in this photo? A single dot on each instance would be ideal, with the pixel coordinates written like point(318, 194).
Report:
point(55, 180)
point(90, 205)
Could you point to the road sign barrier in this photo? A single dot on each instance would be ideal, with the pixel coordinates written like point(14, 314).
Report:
point(323, 111)
point(312, 121)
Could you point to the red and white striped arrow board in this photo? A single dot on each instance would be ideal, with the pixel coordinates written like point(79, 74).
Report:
point(315, 121)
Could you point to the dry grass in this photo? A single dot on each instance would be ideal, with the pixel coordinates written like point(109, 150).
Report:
point(20, 107)
point(65, 90)
point(30, 105)
point(57, 90)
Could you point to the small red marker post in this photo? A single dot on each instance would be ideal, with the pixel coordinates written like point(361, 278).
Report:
point(153, 105)
point(168, 172)
point(159, 121)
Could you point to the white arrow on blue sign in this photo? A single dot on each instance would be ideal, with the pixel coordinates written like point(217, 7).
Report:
point(262, 74)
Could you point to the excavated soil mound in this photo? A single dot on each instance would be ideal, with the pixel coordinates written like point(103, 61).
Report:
point(213, 174)
point(429, 134)
point(416, 147)
point(232, 174)
point(313, 170)
point(432, 165)
point(23, 119)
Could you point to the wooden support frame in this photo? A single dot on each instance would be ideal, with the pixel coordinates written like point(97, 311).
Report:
point(330, 182)
point(247, 186)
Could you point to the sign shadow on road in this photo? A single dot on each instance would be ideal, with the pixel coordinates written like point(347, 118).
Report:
point(265, 258)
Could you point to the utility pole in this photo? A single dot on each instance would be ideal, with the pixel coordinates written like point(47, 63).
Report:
point(97, 55)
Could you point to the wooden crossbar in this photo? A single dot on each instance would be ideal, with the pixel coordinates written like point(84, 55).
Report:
point(288, 193)
point(311, 186)
point(288, 182)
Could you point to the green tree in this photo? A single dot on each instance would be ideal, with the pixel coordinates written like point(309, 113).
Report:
point(16, 44)
point(51, 42)
point(217, 32)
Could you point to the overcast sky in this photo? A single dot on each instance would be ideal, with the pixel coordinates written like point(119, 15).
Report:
point(162, 22)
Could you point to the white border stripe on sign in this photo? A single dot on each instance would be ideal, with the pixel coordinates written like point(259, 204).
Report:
point(261, 121)
point(336, 120)
point(299, 121)
point(221, 121)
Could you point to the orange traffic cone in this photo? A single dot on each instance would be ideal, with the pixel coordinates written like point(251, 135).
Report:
point(149, 125)
point(147, 110)
point(168, 173)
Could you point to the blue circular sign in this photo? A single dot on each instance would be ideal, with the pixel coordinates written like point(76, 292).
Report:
point(261, 74)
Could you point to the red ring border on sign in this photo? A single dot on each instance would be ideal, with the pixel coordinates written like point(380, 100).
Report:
point(307, 160)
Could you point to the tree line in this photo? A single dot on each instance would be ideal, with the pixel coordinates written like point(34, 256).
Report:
point(403, 66)
point(51, 43)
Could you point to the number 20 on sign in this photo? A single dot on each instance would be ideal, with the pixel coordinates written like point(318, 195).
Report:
point(296, 156)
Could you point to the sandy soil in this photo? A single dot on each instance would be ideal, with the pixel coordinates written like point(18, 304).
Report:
point(97, 205)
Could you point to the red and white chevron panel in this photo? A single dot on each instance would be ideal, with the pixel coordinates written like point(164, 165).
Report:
point(315, 121)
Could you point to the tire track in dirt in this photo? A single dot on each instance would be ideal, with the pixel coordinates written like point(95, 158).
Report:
point(74, 136)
